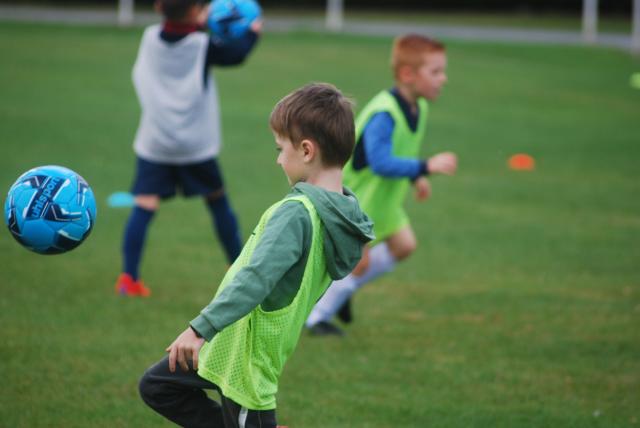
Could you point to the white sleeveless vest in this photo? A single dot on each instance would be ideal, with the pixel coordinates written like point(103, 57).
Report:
point(180, 120)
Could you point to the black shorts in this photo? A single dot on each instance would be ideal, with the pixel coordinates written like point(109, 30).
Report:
point(165, 180)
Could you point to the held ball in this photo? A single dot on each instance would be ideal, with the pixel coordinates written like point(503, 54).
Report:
point(231, 19)
point(50, 210)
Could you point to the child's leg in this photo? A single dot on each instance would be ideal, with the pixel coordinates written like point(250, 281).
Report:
point(337, 294)
point(180, 396)
point(382, 258)
point(236, 416)
point(225, 223)
point(136, 231)
point(402, 243)
point(152, 181)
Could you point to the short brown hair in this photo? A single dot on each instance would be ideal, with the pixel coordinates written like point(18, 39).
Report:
point(318, 112)
point(409, 50)
point(175, 10)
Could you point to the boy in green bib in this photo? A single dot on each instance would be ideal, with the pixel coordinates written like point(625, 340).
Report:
point(386, 164)
point(239, 343)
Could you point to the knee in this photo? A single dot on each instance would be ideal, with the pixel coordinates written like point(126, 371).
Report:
point(144, 388)
point(215, 195)
point(403, 251)
point(147, 202)
point(149, 391)
point(412, 246)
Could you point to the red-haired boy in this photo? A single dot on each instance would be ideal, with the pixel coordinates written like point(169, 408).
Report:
point(385, 164)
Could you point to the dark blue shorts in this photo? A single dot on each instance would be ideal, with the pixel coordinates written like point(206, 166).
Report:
point(165, 180)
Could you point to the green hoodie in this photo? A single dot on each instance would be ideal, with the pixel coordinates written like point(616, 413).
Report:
point(274, 274)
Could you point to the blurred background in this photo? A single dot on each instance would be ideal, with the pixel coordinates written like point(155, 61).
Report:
point(521, 306)
point(613, 23)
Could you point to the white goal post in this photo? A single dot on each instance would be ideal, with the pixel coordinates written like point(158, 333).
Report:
point(590, 20)
point(635, 27)
point(125, 12)
point(335, 15)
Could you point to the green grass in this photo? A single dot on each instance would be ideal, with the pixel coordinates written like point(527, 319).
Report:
point(520, 308)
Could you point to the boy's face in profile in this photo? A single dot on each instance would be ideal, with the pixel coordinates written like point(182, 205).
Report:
point(429, 78)
point(291, 159)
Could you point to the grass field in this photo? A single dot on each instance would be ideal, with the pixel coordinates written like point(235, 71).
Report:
point(521, 307)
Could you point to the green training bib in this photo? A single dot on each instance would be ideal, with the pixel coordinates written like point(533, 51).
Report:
point(382, 198)
point(246, 359)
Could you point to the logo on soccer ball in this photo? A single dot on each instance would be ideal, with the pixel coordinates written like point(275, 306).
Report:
point(231, 19)
point(50, 210)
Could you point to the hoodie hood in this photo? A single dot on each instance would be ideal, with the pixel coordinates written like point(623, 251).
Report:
point(346, 227)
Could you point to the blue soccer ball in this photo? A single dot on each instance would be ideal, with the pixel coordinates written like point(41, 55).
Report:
point(231, 19)
point(50, 210)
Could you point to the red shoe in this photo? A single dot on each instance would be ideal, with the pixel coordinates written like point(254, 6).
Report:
point(126, 286)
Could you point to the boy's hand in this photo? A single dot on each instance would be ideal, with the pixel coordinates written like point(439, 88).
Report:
point(256, 26)
point(443, 163)
point(423, 188)
point(186, 347)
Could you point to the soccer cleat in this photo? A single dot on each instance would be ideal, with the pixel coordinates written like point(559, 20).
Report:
point(325, 328)
point(344, 313)
point(126, 286)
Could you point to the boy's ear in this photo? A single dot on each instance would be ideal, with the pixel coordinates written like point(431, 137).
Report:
point(309, 150)
point(157, 6)
point(405, 74)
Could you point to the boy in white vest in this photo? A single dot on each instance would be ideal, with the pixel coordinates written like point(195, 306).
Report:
point(179, 138)
point(385, 164)
point(239, 343)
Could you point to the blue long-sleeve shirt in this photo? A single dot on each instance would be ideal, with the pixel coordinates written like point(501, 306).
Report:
point(374, 146)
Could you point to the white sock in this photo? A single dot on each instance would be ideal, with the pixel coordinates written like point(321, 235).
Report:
point(380, 261)
point(335, 296)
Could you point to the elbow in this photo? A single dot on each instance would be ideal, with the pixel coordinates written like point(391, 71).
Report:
point(232, 62)
point(238, 59)
point(381, 168)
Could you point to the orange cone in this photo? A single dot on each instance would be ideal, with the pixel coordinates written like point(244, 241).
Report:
point(522, 162)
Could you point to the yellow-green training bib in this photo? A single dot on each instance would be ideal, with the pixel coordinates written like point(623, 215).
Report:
point(246, 358)
point(382, 198)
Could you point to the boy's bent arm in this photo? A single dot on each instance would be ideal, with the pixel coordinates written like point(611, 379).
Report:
point(280, 247)
point(376, 138)
point(232, 53)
